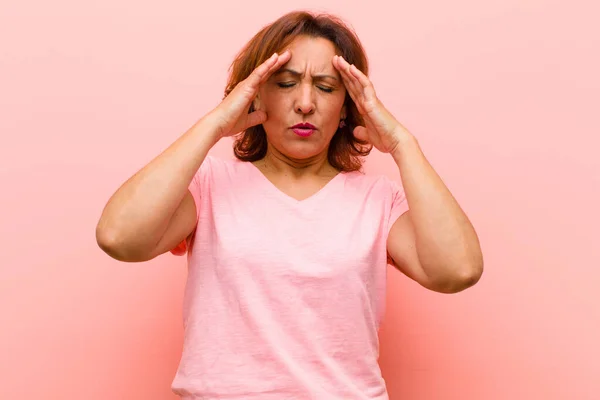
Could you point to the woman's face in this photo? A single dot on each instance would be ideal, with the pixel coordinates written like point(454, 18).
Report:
point(307, 89)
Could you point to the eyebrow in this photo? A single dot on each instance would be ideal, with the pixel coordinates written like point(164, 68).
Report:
point(298, 74)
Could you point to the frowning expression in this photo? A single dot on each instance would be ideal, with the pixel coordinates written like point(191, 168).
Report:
point(304, 99)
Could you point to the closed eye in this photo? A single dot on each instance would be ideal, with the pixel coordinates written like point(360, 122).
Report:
point(290, 84)
point(285, 85)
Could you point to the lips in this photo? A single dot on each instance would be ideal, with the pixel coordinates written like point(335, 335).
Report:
point(304, 125)
point(304, 129)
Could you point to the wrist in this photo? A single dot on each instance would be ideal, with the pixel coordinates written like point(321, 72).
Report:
point(406, 142)
point(210, 126)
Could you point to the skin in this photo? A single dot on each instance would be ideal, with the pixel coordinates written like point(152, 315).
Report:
point(308, 88)
point(434, 243)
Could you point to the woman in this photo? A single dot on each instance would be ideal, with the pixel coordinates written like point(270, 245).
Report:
point(288, 244)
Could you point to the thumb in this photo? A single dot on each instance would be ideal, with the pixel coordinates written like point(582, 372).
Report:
point(255, 118)
point(361, 133)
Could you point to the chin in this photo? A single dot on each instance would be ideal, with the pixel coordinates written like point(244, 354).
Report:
point(303, 150)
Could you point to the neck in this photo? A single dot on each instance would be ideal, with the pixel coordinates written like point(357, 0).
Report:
point(279, 163)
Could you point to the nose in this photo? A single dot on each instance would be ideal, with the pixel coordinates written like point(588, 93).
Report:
point(305, 103)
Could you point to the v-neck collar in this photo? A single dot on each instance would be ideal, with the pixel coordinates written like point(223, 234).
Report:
point(270, 186)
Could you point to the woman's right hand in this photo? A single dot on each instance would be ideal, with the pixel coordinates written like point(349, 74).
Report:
point(232, 114)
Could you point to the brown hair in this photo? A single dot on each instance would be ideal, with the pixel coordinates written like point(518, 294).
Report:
point(345, 151)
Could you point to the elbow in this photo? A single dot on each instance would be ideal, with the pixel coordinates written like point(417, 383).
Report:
point(109, 243)
point(463, 278)
point(114, 246)
point(105, 239)
point(469, 278)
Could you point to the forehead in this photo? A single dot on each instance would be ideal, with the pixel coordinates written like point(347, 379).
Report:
point(311, 52)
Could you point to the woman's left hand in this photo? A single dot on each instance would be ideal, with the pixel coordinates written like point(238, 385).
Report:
point(381, 129)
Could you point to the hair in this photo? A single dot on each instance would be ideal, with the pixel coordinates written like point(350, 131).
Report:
point(345, 150)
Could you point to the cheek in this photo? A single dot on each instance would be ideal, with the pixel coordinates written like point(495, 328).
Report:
point(334, 107)
point(276, 104)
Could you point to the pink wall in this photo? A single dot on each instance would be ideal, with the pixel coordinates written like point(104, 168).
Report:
point(502, 94)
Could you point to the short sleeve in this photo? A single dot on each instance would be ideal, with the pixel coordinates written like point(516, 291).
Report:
point(399, 203)
point(196, 184)
point(195, 187)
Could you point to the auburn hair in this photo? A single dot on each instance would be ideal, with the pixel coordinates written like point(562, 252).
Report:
point(345, 151)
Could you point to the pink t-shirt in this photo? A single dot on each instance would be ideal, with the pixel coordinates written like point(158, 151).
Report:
point(284, 297)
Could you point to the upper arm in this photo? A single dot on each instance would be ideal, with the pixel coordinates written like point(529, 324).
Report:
point(180, 229)
point(402, 248)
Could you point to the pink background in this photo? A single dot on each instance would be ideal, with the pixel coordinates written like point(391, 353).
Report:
point(502, 94)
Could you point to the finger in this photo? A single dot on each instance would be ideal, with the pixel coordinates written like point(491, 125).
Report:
point(350, 81)
point(356, 98)
point(353, 86)
point(346, 78)
point(363, 87)
point(358, 88)
point(345, 68)
point(248, 121)
point(255, 118)
point(264, 71)
point(362, 79)
point(361, 133)
point(281, 60)
point(354, 93)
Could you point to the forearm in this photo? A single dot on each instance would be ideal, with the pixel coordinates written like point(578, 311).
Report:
point(138, 213)
point(446, 242)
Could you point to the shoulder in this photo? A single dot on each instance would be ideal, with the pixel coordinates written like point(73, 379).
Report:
point(377, 183)
point(219, 172)
point(220, 165)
